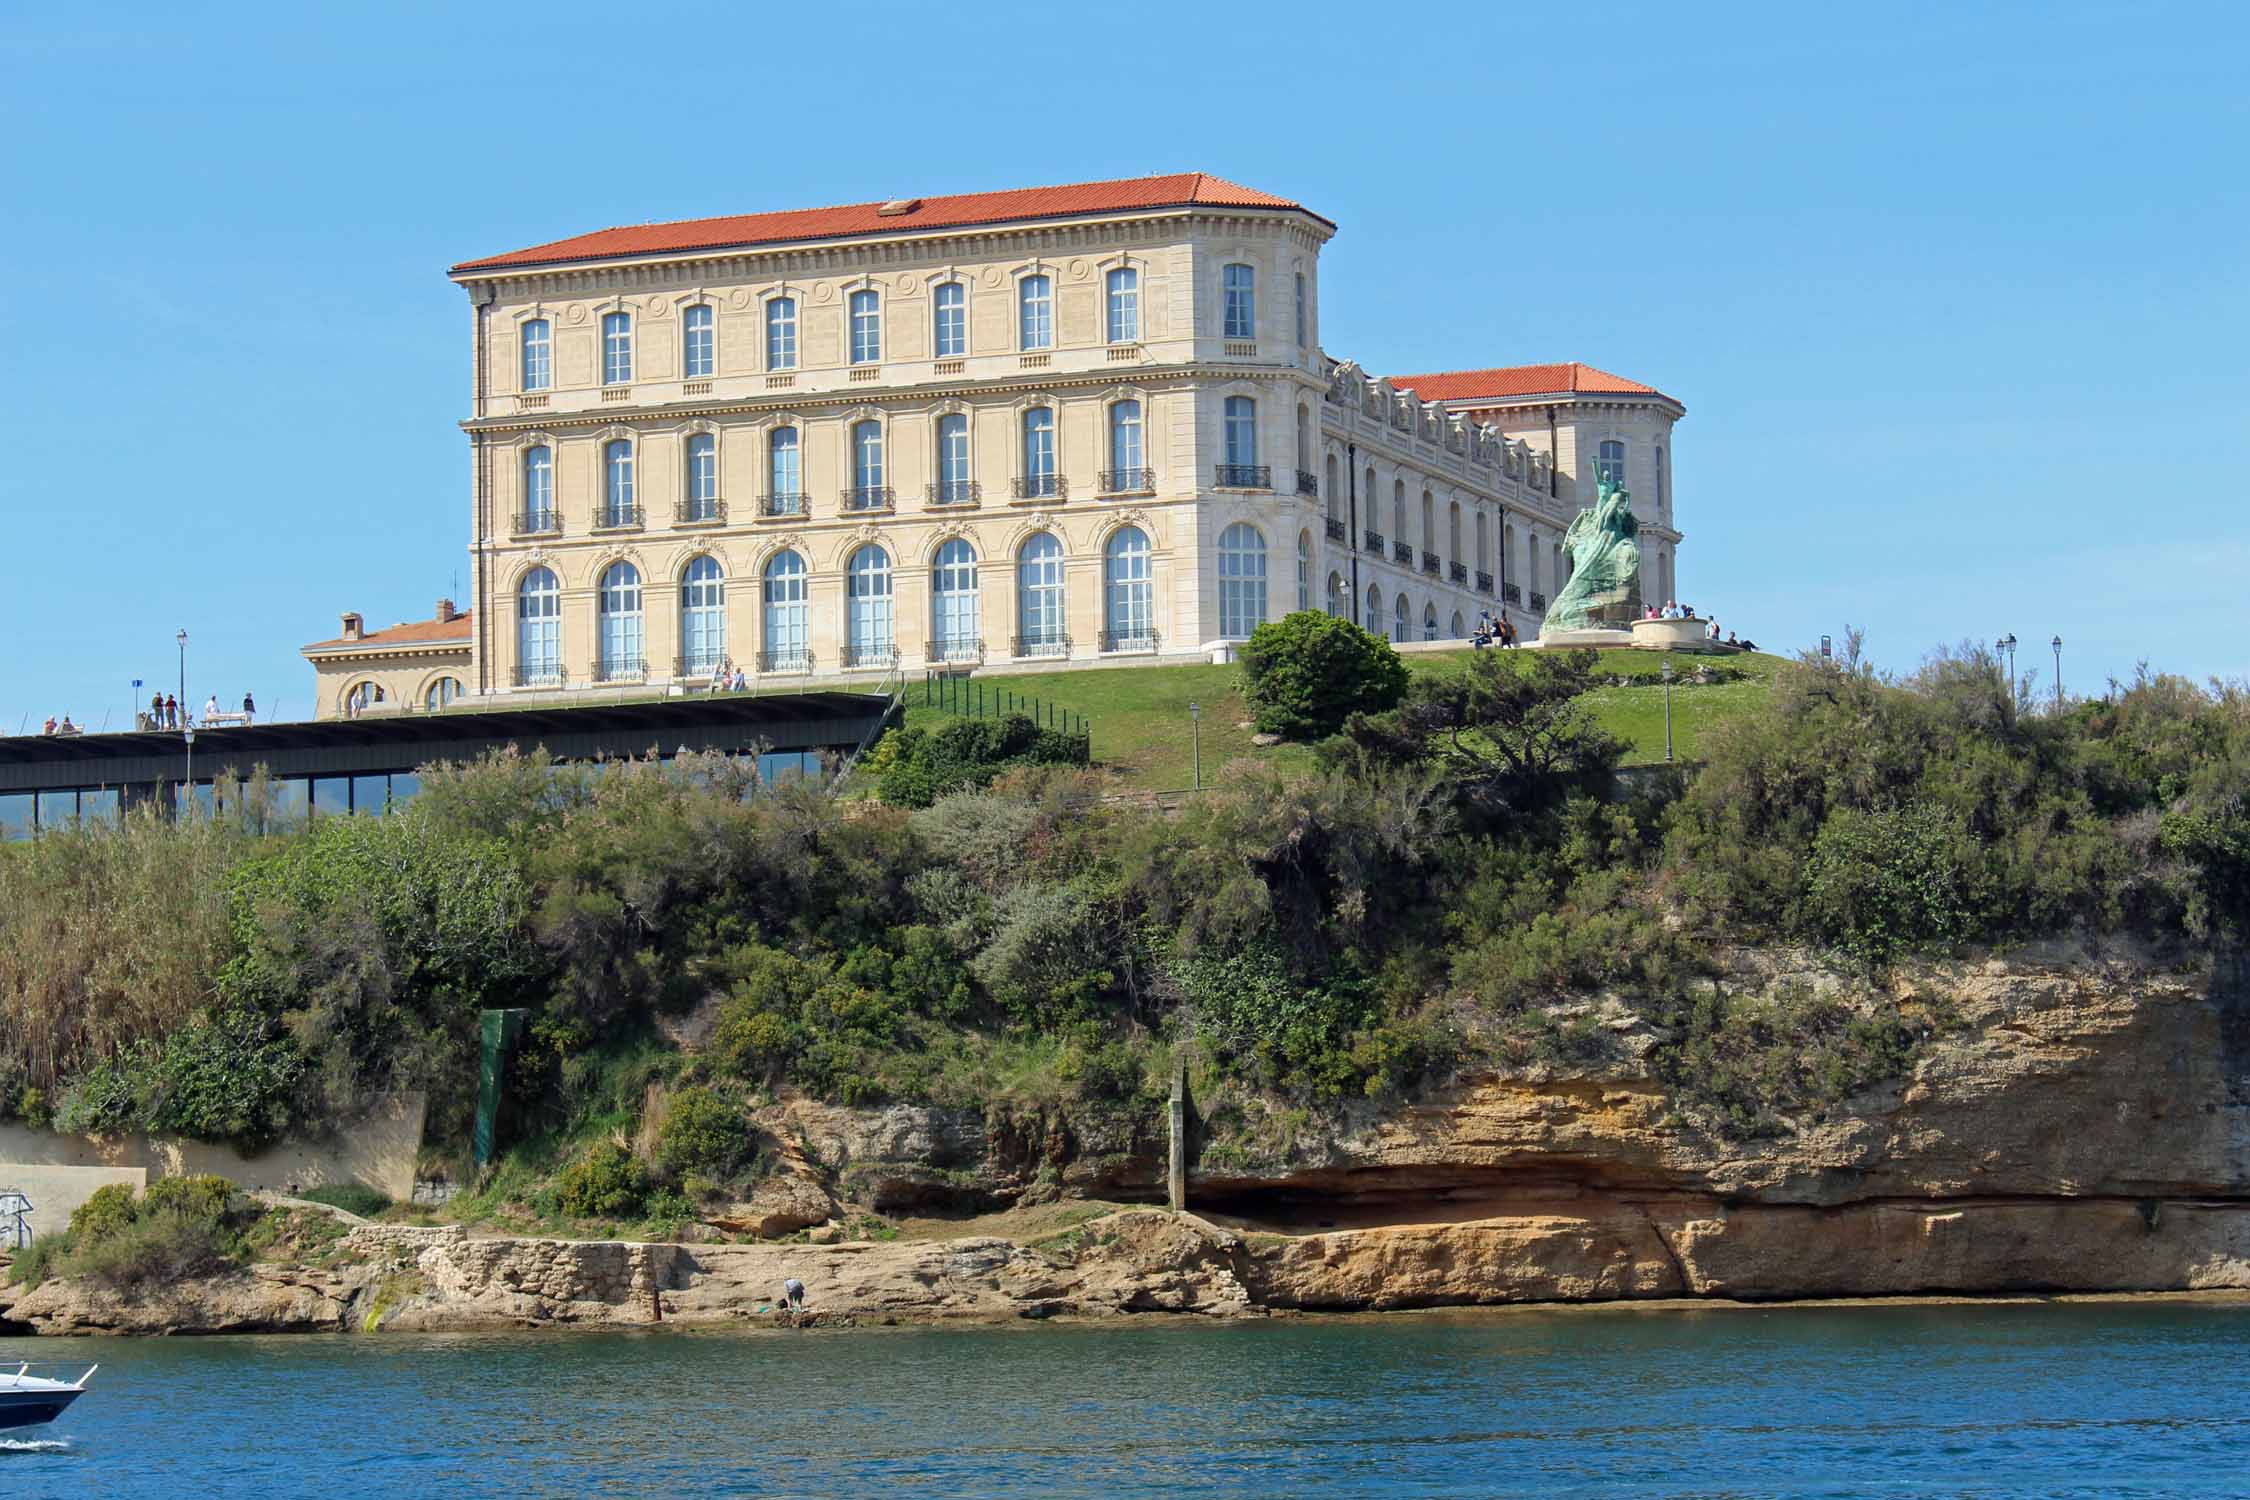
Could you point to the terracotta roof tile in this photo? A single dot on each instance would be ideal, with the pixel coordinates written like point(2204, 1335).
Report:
point(413, 633)
point(1516, 381)
point(1177, 190)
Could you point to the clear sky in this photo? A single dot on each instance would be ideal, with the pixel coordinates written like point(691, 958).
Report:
point(1956, 296)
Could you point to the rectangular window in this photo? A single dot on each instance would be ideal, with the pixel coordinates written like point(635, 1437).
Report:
point(538, 355)
point(699, 342)
point(950, 337)
point(1039, 450)
point(1125, 444)
point(867, 456)
point(781, 334)
point(703, 477)
point(1036, 321)
point(1611, 464)
point(617, 348)
point(1241, 302)
point(1242, 431)
point(953, 458)
point(1125, 306)
point(867, 328)
point(782, 486)
point(1301, 323)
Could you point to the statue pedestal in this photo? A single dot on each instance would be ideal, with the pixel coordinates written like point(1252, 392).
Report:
point(1673, 635)
point(1599, 637)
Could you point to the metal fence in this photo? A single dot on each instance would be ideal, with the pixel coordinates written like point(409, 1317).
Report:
point(971, 697)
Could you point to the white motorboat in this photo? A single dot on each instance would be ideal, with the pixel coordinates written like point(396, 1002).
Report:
point(27, 1399)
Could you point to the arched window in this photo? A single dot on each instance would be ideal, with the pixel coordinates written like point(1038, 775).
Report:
point(1612, 461)
point(1453, 531)
point(1661, 496)
point(785, 632)
point(703, 617)
point(361, 697)
point(1484, 542)
point(1375, 620)
point(1337, 604)
point(1429, 524)
point(618, 508)
point(1239, 302)
point(1035, 313)
point(1242, 580)
point(949, 318)
point(867, 328)
point(538, 346)
point(954, 486)
point(538, 628)
point(1531, 561)
point(1329, 488)
point(868, 631)
point(1039, 597)
point(1507, 556)
point(1398, 510)
point(1457, 631)
point(1402, 628)
point(867, 491)
point(1039, 477)
point(702, 497)
point(1240, 467)
point(1128, 471)
point(617, 606)
point(1304, 325)
point(1128, 623)
point(617, 348)
point(1304, 439)
point(1304, 570)
point(954, 627)
point(1560, 564)
point(538, 488)
point(781, 334)
point(699, 342)
point(1124, 287)
point(441, 692)
point(1429, 622)
point(785, 490)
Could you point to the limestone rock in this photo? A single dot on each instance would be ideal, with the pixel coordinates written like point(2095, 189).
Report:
point(779, 1206)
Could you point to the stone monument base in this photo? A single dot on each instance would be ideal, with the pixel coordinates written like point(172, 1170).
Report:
point(1675, 635)
point(1601, 638)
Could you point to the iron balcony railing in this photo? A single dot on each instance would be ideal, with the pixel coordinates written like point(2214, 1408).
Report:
point(1539, 601)
point(1430, 563)
point(961, 648)
point(1375, 542)
point(1127, 640)
point(537, 523)
point(1128, 481)
point(1458, 573)
point(702, 512)
point(785, 661)
point(615, 517)
point(1512, 593)
point(622, 669)
point(696, 667)
point(788, 503)
point(1484, 582)
point(1041, 645)
point(1403, 552)
point(1245, 476)
point(539, 674)
point(1308, 483)
point(1336, 532)
point(868, 497)
point(869, 656)
point(1041, 487)
point(955, 492)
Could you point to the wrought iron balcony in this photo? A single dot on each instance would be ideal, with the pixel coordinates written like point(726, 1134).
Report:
point(962, 648)
point(539, 674)
point(537, 523)
point(621, 669)
point(696, 668)
point(868, 497)
point(955, 492)
point(1403, 552)
point(1430, 563)
point(1458, 572)
point(1041, 487)
point(1040, 645)
point(1245, 476)
point(707, 511)
point(617, 517)
point(791, 503)
point(1128, 481)
point(1512, 593)
point(1484, 582)
point(1336, 531)
point(785, 661)
point(1121, 640)
point(1539, 601)
point(869, 656)
point(1375, 542)
point(1308, 483)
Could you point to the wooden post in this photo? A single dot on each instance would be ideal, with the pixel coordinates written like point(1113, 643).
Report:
point(1175, 1182)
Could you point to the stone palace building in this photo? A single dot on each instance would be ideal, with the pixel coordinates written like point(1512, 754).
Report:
point(1074, 424)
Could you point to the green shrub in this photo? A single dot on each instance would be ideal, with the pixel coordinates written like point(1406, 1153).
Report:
point(703, 1133)
point(160, 1247)
point(608, 1182)
point(922, 765)
point(1884, 882)
point(39, 1260)
point(205, 1197)
point(352, 1197)
point(1305, 674)
point(106, 1211)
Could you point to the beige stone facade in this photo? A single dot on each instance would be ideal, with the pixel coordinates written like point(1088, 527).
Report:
point(822, 456)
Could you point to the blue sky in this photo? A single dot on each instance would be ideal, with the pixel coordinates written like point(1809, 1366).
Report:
point(1957, 297)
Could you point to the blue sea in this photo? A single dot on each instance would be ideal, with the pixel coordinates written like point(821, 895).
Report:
point(2032, 1400)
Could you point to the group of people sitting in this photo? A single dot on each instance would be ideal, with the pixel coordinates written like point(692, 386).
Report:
point(726, 677)
point(1493, 630)
point(63, 727)
point(1671, 609)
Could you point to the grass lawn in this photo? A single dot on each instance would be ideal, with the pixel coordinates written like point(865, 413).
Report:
point(1141, 726)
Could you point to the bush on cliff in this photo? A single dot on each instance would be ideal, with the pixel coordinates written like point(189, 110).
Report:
point(1306, 673)
point(914, 767)
point(703, 1134)
point(178, 1227)
point(607, 1182)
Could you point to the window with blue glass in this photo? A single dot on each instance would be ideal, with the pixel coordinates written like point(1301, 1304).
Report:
point(867, 328)
point(784, 492)
point(950, 318)
point(617, 348)
point(699, 342)
point(1035, 312)
point(538, 348)
point(953, 601)
point(702, 477)
point(1039, 452)
point(703, 616)
point(617, 483)
point(781, 334)
point(538, 488)
point(1124, 289)
point(1239, 286)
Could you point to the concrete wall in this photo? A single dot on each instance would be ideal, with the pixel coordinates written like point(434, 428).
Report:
point(378, 1151)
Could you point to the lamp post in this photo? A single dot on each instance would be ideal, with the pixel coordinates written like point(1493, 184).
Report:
point(1195, 729)
point(2057, 643)
point(2007, 645)
point(187, 788)
point(1667, 708)
point(182, 639)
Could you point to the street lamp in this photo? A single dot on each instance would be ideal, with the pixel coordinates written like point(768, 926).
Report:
point(2007, 644)
point(1667, 708)
point(182, 639)
point(1195, 728)
point(187, 788)
point(2057, 643)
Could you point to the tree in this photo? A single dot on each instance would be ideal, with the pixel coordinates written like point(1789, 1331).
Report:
point(1304, 675)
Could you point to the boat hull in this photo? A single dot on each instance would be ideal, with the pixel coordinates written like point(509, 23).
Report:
point(30, 1408)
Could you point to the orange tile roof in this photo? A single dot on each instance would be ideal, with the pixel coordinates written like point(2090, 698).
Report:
point(1512, 382)
point(1177, 190)
point(414, 633)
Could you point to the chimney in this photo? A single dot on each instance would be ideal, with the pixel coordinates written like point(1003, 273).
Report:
point(446, 611)
point(352, 624)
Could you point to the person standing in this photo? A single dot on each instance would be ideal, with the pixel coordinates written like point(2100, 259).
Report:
point(171, 712)
point(249, 709)
point(156, 711)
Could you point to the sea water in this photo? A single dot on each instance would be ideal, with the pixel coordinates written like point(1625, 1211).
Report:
point(1990, 1400)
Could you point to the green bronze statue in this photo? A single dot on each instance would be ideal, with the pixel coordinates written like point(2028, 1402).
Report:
point(1604, 592)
